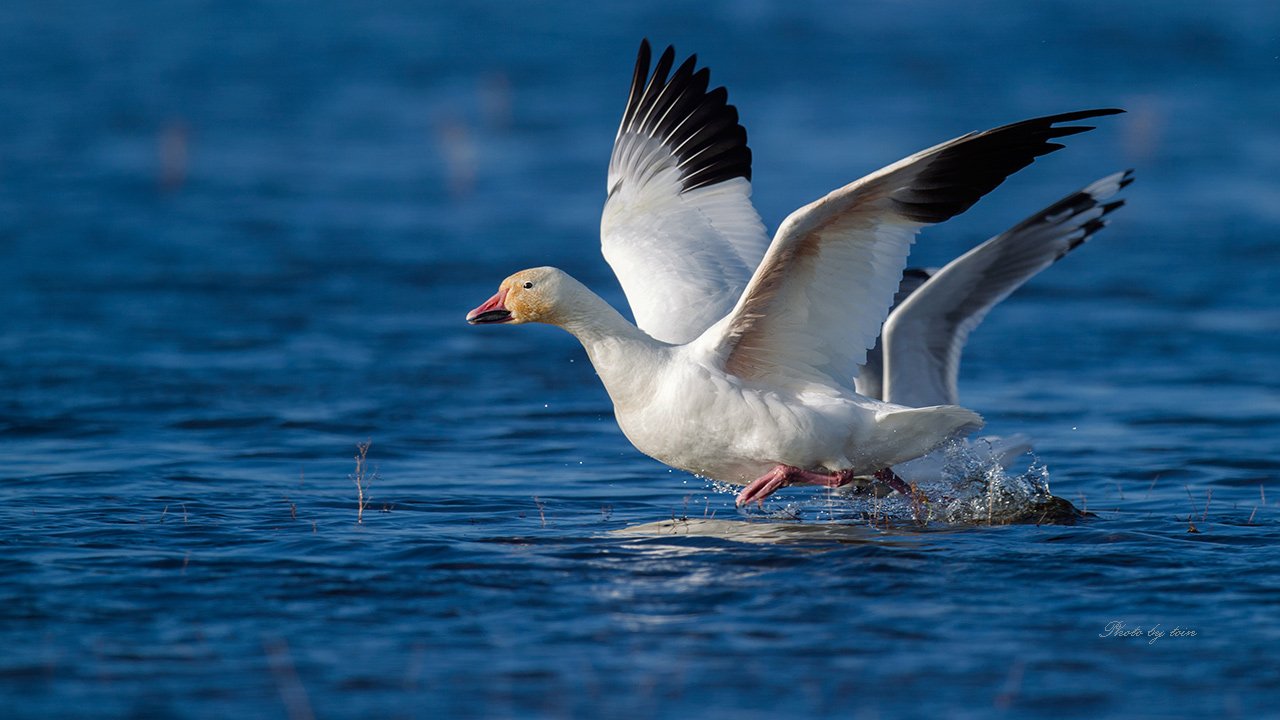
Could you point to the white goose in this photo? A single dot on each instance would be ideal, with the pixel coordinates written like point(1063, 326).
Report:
point(741, 365)
point(916, 360)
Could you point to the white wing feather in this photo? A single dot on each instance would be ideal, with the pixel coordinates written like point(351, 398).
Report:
point(817, 301)
point(678, 228)
point(925, 334)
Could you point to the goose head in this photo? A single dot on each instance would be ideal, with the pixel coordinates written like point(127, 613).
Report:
point(542, 295)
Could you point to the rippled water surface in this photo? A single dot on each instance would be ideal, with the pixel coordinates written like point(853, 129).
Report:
point(238, 240)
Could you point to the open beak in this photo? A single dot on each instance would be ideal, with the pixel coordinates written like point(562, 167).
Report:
point(493, 311)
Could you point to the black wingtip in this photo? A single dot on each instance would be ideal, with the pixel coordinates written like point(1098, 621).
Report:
point(1110, 207)
point(698, 125)
point(978, 163)
point(638, 79)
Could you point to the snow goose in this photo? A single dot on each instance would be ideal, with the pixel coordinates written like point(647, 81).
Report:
point(916, 360)
point(742, 361)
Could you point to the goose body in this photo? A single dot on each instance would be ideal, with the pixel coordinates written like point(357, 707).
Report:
point(742, 364)
point(678, 404)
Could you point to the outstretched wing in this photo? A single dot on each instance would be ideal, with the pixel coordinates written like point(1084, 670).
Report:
point(925, 334)
point(678, 227)
point(817, 301)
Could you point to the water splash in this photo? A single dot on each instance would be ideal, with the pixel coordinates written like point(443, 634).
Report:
point(968, 486)
point(975, 488)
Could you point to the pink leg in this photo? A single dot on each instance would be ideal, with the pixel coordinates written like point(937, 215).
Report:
point(785, 475)
point(890, 478)
point(764, 486)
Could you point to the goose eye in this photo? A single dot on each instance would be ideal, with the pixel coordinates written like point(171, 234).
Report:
point(528, 285)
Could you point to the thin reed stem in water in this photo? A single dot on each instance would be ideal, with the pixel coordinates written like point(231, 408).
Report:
point(362, 478)
point(541, 510)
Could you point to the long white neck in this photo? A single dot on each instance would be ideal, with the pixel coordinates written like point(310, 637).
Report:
point(626, 358)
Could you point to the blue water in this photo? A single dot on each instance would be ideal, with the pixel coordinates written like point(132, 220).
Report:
point(237, 239)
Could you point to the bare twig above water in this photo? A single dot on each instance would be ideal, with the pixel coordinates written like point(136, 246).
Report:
point(362, 478)
point(541, 510)
point(1191, 525)
point(1153, 485)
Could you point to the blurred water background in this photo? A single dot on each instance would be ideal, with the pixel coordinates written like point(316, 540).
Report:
point(237, 239)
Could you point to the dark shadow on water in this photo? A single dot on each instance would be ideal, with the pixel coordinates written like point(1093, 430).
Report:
point(884, 530)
